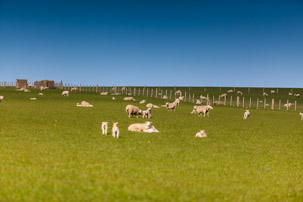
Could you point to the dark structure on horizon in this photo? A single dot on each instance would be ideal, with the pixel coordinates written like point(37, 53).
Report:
point(21, 83)
point(45, 83)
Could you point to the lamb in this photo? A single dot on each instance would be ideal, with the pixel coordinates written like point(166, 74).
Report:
point(40, 93)
point(142, 102)
point(288, 105)
point(146, 113)
point(165, 97)
point(152, 129)
point(201, 133)
point(30, 85)
point(203, 97)
point(202, 110)
point(177, 101)
point(113, 98)
point(181, 98)
point(1, 98)
point(139, 127)
point(133, 110)
point(65, 93)
point(218, 102)
point(104, 127)
point(230, 91)
point(291, 94)
point(265, 94)
point(150, 105)
point(198, 102)
point(297, 95)
point(129, 99)
point(115, 130)
point(84, 104)
point(74, 89)
point(239, 92)
point(272, 91)
point(171, 106)
point(33, 98)
point(301, 114)
point(178, 92)
point(104, 93)
point(26, 91)
point(223, 95)
point(246, 114)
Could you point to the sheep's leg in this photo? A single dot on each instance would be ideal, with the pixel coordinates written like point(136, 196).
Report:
point(118, 132)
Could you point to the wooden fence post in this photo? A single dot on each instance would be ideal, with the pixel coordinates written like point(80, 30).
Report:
point(238, 101)
point(249, 103)
point(213, 100)
point(152, 92)
point(135, 92)
point(272, 104)
point(156, 92)
point(161, 94)
point(185, 97)
point(231, 101)
point(193, 98)
point(295, 105)
point(170, 94)
point(287, 105)
point(147, 92)
point(257, 103)
point(279, 104)
point(264, 103)
point(243, 102)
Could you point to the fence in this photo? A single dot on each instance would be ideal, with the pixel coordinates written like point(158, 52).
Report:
point(192, 94)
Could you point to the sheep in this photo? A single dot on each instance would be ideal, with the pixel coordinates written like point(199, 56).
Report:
point(139, 127)
point(203, 97)
point(239, 92)
point(246, 114)
point(181, 98)
point(74, 89)
point(218, 102)
point(177, 101)
point(146, 113)
point(40, 93)
point(165, 97)
point(84, 104)
point(301, 114)
point(202, 110)
point(104, 93)
point(129, 99)
point(171, 106)
point(265, 94)
point(150, 105)
point(113, 98)
point(178, 92)
point(272, 91)
point(104, 127)
point(41, 88)
point(142, 102)
point(1, 98)
point(288, 105)
point(291, 94)
point(26, 91)
point(115, 130)
point(297, 95)
point(133, 110)
point(30, 85)
point(65, 93)
point(152, 129)
point(33, 98)
point(198, 102)
point(201, 133)
point(223, 95)
point(230, 91)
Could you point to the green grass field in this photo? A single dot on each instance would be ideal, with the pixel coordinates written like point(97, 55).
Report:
point(52, 150)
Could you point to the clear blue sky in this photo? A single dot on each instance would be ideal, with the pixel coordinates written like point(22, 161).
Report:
point(185, 43)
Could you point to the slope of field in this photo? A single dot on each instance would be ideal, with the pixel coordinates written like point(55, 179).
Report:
point(52, 150)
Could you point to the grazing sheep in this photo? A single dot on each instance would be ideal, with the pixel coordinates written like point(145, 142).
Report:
point(84, 104)
point(1, 98)
point(142, 102)
point(115, 130)
point(198, 102)
point(288, 105)
point(40, 93)
point(146, 113)
point(201, 133)
point(152, 129)
point(165, 97)
point(301, 114)
point(74, 89)
point(265, 94)
point(239, 92)
point(139, 127)
point(297, 95)
point(218, 102)
point(223, 95)
point(230, 91)
point(291, 94)
point(65, 93)
point(202, 110)
point(272, 91)
point(104, 127)
point(246, 114)
point(181, 98)
point(129, 99)
point(33, 98)
point(150, 105)
point(171, 106)
point(133, 110)
point(104, 93)
point(113, 98)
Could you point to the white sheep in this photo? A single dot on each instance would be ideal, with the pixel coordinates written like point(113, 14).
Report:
point(152, 129)
point(230, 91)
point(84, 104)
point(297, 95)
point(202, 110)
point(146, 113)
point(104, 93)
point(198, 102)
point(65, 93)
point(139, 127)
point(150, 105)
point(171, 106)
point(74, 89)
point(265, 94)
point(142, 102)
point(33, 98)
point(201, 133)
point(1, 98)
point(177, 101)
point(113, 98)
point(104, 127)
point(27, 91)
point(129, 99)
point(223, 95)
point(291, 94)
point(272, 91)
point(246, 114)
point(40, 93)
point(181, 98)
point(288, 105)
point(203, 97)
point(115, 130)
point(132, 110)
point(301, 114)
point(165, 97)
point(239, 92)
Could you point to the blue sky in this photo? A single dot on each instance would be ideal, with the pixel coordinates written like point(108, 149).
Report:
point(183, 43)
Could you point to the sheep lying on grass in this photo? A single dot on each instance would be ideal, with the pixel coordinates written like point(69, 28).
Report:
point(1, 98)
point(202, 110)
point(104, 127)
point(113, 98)
point(291, 94)
point(230, 91)
point(171, 106)
point(65, 93)
point(201, 133)
point(27, 91)
point(297, 95)
point(165, 97)
point(246, 114)
point(301, 114)
point(129, 99)
point(84, 104)
point(152, 129)
point(272, 91)
point(40, 93)
point(150, 105)
point(142, 102)
point(132, 110)
point(143, 127)
point(104, 93)
point(146, 113)
point(115, 130)
point(218, 102)
point(33, 98)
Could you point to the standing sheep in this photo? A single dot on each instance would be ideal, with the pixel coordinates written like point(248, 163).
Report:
point(74, 89)
point(146, 113)
point(65, 93)
point(115, 130)
point(1, 98)
point(301, 114)
point(171, 106)
point(133, 110)
point(223, 95)
point(246, 114)
point(265, 94)
point(104, 127)
point(202, 110)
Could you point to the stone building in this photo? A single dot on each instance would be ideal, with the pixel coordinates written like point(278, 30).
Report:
point(45, 83)
point(21, 83)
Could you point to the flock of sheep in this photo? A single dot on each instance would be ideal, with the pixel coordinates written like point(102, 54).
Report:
point(146, 127)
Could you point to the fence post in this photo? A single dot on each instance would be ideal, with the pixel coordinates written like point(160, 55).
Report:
point(170, 94)
point(287, 105)
point(295, 105)
point(279, 104)
point(204, 89)
point(257, 103)
point(249, 103)
point(238, 101)
point(231, 101)
point(188, 97)
point(213, 100)
point(135, 92)
point(185, 97)
point(152, 92)
point(161, 94)
point(272, 104)
point(243, 102)
point(147, 92)
point(193, 98)
point(264, 103)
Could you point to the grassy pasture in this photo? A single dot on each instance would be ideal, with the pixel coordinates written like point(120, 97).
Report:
point(52, 150)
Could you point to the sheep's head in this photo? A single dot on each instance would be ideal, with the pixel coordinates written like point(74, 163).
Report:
point(115, 124)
